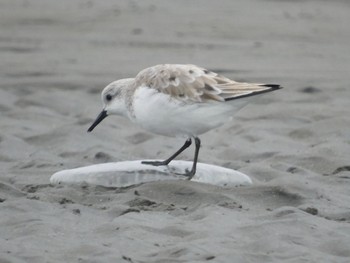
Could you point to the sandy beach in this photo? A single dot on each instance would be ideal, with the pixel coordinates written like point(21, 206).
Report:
point(57, 56)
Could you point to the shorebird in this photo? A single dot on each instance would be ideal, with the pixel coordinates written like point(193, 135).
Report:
point(178, 101)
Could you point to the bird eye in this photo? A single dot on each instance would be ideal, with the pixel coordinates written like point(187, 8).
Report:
point(108, 97)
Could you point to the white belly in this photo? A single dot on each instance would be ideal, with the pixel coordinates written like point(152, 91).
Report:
point(160, 114)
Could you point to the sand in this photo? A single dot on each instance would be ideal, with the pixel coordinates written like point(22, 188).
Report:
point(56, 57)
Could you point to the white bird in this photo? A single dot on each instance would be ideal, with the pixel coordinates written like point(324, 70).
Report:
point(178, 101)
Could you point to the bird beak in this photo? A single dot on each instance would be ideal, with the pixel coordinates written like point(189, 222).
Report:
point(99, 118)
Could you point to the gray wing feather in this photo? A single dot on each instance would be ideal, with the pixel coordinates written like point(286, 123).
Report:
point(193, 83)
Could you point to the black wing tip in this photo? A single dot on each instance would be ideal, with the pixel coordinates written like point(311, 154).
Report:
point(273, 86)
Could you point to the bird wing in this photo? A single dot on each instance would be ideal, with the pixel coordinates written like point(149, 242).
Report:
point(190, 82)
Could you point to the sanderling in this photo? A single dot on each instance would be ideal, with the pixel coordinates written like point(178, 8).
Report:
point(178, 100)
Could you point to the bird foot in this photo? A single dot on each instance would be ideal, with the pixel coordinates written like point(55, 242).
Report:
point(189, 174)
point(154, 163)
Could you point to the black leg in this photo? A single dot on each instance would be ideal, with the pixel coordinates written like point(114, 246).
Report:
point(190, 174)
point(187, 144)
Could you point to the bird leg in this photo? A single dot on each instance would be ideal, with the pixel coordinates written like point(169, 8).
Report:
point(191, 173)
point(187, 143)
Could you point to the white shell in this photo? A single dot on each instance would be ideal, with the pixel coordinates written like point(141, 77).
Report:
point(129, 173)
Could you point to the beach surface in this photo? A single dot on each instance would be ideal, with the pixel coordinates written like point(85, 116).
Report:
point(57, 56)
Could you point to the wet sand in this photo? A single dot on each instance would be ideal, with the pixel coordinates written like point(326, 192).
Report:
point(56, 57)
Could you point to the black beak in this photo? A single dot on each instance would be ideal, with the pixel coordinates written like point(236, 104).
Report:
point(99, 118)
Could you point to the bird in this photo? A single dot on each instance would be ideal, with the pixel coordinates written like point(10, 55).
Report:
point(178, 100)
